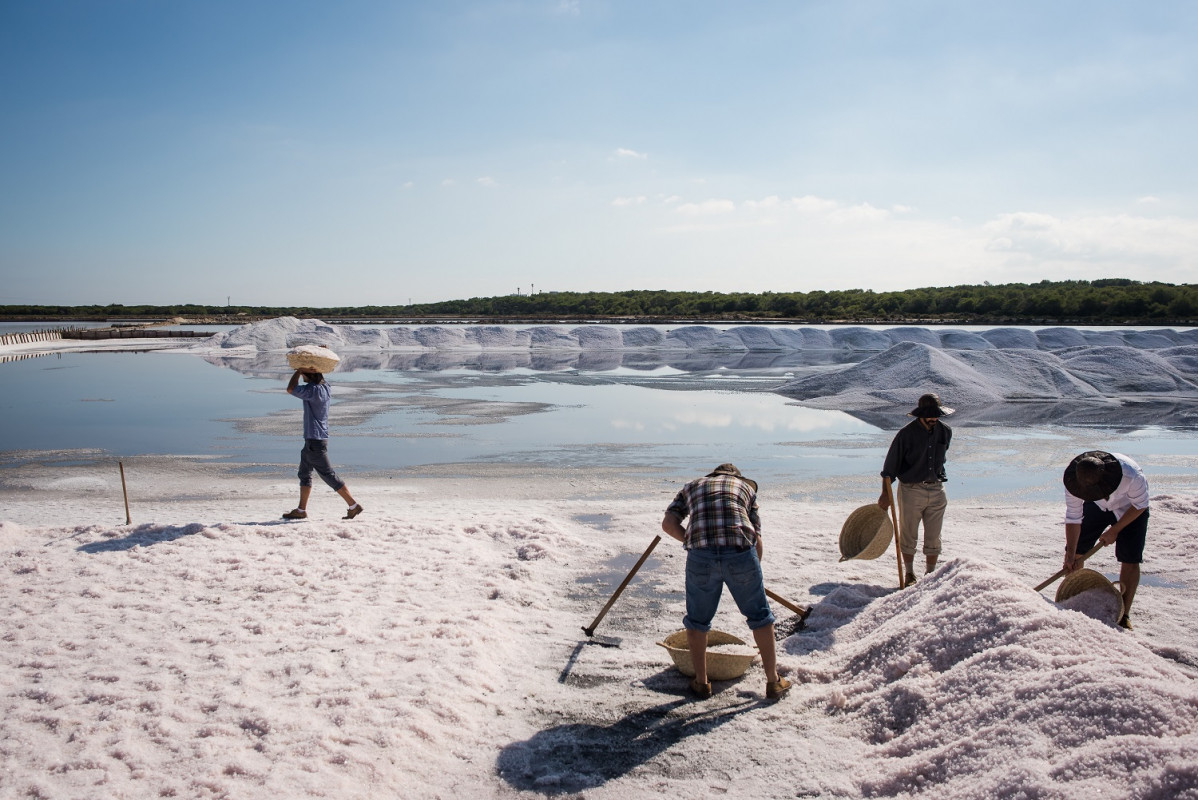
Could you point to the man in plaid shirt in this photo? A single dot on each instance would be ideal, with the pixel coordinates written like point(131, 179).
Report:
point(723, 547)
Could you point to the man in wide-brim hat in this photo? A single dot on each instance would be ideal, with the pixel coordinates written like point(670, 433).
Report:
point(1106, 500)
point(916, 459)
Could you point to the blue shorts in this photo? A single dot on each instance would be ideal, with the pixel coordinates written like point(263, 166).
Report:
point(708, 570)
point(1129, 546)
point(315, 456)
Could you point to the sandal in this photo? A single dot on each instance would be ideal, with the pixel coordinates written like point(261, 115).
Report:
point(700, 690)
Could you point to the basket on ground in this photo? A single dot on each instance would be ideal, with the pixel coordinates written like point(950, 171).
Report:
point(1085, 580)
point(720, 666)
point(312, 358)
point(867, 533)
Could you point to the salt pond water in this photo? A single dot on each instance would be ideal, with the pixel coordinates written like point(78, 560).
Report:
point(621, 408)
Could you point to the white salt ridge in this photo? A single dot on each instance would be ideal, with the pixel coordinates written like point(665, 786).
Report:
point(1002, 365)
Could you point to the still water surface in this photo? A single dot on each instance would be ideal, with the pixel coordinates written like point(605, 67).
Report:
point(128, 403)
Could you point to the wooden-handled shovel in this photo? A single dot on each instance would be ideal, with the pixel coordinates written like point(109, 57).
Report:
point(590, 630)
point(1061, 572)
point(802, 612)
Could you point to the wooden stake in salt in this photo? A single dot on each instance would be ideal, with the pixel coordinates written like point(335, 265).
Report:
point(125, 491)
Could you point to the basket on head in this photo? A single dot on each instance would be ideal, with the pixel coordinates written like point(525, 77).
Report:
point(312, 358)
point(720, 666)
point(867, 533)
point(1085, 580)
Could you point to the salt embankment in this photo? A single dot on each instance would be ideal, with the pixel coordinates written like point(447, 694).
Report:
point(852, 368)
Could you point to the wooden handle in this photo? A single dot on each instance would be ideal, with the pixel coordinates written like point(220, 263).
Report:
point(1061, 572)
point(802, 612)
point(898, 550)
point(591, 630)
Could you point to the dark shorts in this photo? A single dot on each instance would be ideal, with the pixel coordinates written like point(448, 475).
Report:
point(709, 570)
point(315, 456)
point(1129, 546)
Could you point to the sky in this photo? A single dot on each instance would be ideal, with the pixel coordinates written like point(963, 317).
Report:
point(365, 153)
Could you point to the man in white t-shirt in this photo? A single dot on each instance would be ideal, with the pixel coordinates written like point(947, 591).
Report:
point(1106, 500)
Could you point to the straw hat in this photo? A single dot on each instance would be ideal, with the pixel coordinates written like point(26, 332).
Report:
point(866, 533)
point(1094, 475)
point(1085, 580)
point(720, 666)
point(312, 358)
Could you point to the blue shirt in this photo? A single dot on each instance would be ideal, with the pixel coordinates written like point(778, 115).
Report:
point(316, 408)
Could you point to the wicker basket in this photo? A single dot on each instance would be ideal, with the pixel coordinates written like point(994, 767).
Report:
point(867, 533)
point(720, 666)
point(1085, 580)
point(312, 358)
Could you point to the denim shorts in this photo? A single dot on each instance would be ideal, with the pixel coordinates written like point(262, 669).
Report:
point(709, 570)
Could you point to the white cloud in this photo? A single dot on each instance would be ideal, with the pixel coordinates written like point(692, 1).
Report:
point(623, 152)
point(487, 181)
point(813, 205)
point(1148, 200)
point(629, 201)
point(448, 182)
point(1103, 239)
point(571, 8)
point(764, 204)
point(707, 207)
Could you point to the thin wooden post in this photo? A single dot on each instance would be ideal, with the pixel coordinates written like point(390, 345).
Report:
point(125, 491)
point(898, 550)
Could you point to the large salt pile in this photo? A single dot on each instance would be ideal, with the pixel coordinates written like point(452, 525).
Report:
point(1066, 706)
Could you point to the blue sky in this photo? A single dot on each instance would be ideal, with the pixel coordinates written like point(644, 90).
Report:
point(361, 152)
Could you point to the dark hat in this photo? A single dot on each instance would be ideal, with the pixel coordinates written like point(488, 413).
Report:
point(1094, 475)
point(929, 406)
point(730, 469)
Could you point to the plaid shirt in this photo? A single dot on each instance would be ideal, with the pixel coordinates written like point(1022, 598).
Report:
point(722, 511)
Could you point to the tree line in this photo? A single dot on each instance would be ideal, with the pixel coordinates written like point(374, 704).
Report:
point(1111, 300)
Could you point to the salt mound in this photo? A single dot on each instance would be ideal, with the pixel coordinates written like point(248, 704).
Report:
point(1029, 375)
point(364, 337)
point(816, 339)
point(855, 338)
point(269, 334)
point(1149, 340)
point(1012, 338)
point(913, 334)
point(964, 340)
point(1125, 370)
point(552, 338)
point(498, 337)
point(1104, 338)
point(1067, 707)
point(1183, 359)
point(403, 338)
point(757, 338)
point(1060, 338)
point(693, 337)
point(437, 337)
point(643, 336)
point(898, 376)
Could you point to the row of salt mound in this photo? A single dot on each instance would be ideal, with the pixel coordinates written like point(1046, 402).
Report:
point(285, 332)
point(991, 376)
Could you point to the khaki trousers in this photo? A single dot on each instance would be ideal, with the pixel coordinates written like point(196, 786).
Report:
point(926, 502)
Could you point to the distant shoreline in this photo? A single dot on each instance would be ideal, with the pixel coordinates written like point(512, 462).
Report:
point(437, 319)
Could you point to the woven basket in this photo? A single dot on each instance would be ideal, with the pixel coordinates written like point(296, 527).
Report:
point(1085, 580)
point(720, 666)
point(312, 358)
point(867, 533)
